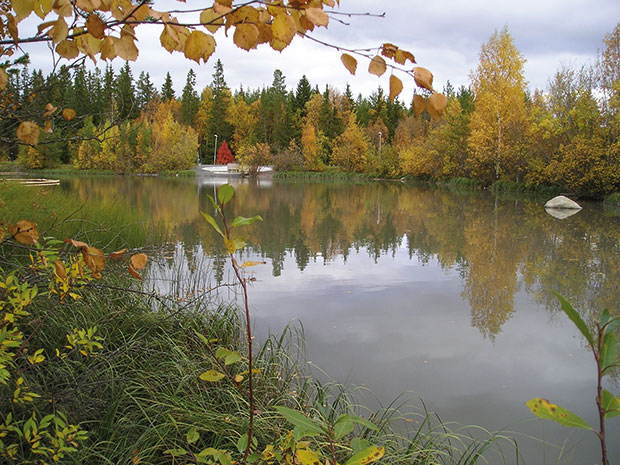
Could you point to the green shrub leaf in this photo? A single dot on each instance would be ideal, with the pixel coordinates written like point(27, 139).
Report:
point(575, 318)
point(225, 193)
point(300, 421)
point(610, 404)
point(211, 376)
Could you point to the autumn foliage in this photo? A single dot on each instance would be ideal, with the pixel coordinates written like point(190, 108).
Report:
point(224, 155)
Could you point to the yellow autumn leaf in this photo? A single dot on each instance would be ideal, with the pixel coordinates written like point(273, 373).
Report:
point(402, 56)
point(349, 62)
point(283, 30)
point(68, 114)
point(59, 268)
point(199, 46)
point(126, 49)
point(67, 49)
point(86, 5)
point(377, 66)
point(4, 79)
point(251, 263)
point(222, 8)
point(211, 20)
point(246, 36)
point(419, 104)
point(25, 232)
point(436, 105)
point(28, 132)
point(134, 273)
point(94, 259)
point(11, 24)
point(307, 457)
point(63, 8)
point(396, 87)
point(317, 16)
point(95, 26)
point(138, 261)
point(108, 51)
point(43, 7)
point(117, 255)
point(238, 378)
point(423, 78)
point(59, 31)
point(142, 12)
point(22, 8)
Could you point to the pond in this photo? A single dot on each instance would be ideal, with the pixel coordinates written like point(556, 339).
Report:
point(444, 296)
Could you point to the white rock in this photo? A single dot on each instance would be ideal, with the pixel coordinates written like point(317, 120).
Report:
point(562, 202)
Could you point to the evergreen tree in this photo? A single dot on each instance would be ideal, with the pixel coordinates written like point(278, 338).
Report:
point(125, 94)
point(108, 99)
point(145, 90)
point(222, 97)
point(189, 100)
point(303, 92)
point(167, 91)
point(80, 94)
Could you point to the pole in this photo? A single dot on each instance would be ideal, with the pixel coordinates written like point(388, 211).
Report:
point(215, 149)
point(380, 134)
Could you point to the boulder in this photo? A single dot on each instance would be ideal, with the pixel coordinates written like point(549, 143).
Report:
point(562, 202)
point(561, 213)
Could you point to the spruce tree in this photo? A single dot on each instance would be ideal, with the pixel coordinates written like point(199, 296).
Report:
point(189, 99)
point(167, 91)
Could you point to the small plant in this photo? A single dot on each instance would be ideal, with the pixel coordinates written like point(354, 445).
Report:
point(604, 347)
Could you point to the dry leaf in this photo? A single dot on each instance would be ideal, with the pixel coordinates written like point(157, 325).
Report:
point(60, 269)
point(74, 243)
point(436, 105)
point(396, 87)
point(246, 36)
point(423, 78)
point(377, 66)
point(349, 62)
point(28, 132)
point(94, 259)
point(134, 273)
point(25, 232)
point(68, 114)
point(95, 26)
point(419, 104)
point(317, 16)
point(117, 255)
point(199, 46)
point(138, 261)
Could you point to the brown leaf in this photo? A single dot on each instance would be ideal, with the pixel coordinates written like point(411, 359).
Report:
point(49, 110)
point(94, 259)
point(419, 104)
point(199, 46)
point(317, 16)
point(74, 243)
point(25, 232)
point(108, 51)
point(68, 114)
point(436, 105)
point(28, 132)
point(63, 8)
point(423, 78)
point(134, 273)
point(389, 50)
point(48, 127)
point(396, 87)
point(138, 261)
point(246, 36)
point(11, 24)
point(377, 66)
point(117, 255)
point(349, 62)
point(95, 26)
point(60, 269)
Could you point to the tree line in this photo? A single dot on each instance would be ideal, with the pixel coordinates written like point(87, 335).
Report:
point(494, 130)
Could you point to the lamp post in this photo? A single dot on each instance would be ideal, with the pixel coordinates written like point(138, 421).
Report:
point(215, 149)
point(380, 134)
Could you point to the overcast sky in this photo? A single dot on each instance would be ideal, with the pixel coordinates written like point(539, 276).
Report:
point(444, 35)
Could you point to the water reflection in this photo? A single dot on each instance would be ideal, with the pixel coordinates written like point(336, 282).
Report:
point(445, 293)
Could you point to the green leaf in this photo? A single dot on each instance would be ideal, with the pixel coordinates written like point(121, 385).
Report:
point(610, 404)
point(214, 203)
point(360, 421)
point(242, 443)
point(192, 436)
point(225, 193)
point(544, 409)
point(575, 318)
point(368, 455)
point(211, 376)
point(609, 352)
point(299, 420)
point(212, 222)
point(359, 444)
point(610, 324)
point(208, 452)
point(229, 356)
point(243, 221)
point(342, 428)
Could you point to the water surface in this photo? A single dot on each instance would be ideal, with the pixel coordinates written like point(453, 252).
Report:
point(442, 295)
